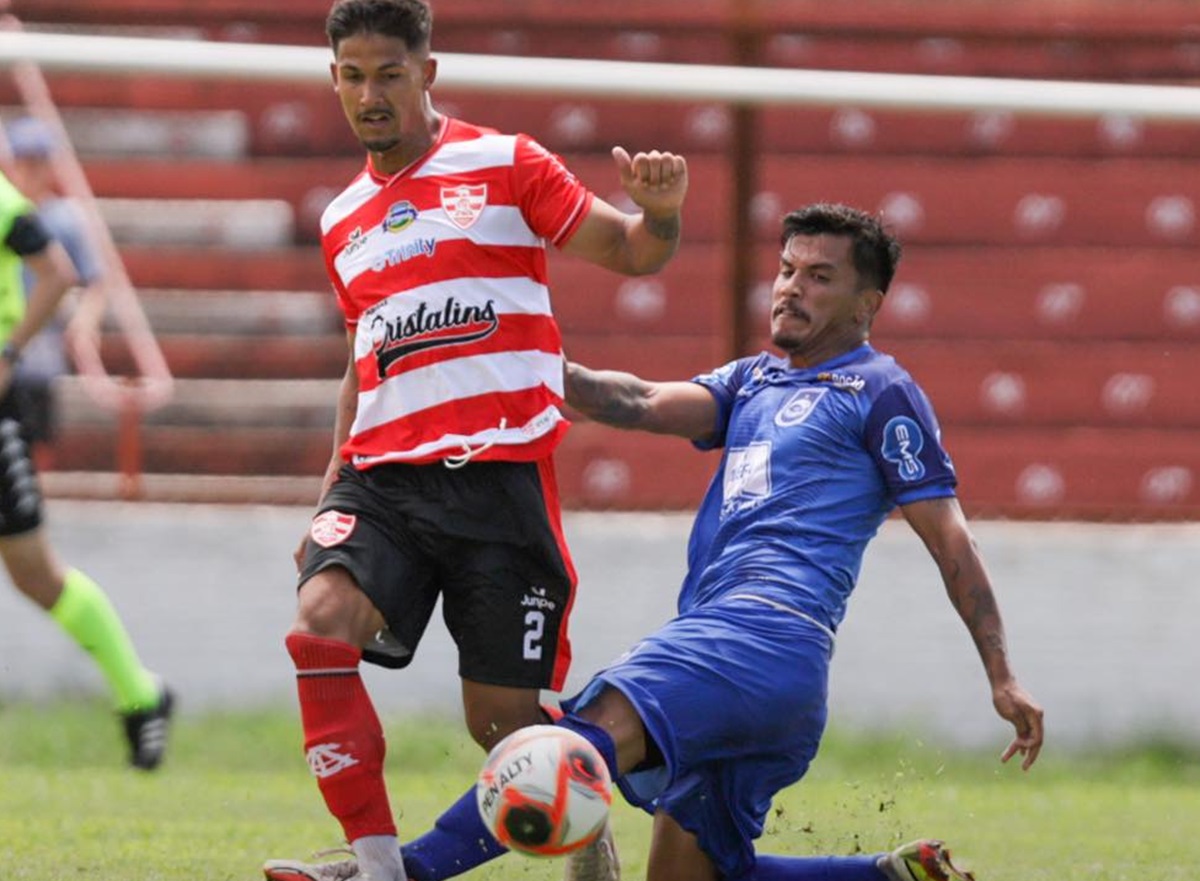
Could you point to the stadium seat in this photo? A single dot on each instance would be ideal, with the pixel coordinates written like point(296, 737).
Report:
point(1078, 473)
point(687, 297)
point(1012, 201)
point(1063, 384)
point(1042, 293)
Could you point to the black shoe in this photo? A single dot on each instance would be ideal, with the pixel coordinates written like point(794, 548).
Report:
point(146, 731)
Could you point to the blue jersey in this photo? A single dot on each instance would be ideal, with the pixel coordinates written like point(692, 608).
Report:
point(814, 461)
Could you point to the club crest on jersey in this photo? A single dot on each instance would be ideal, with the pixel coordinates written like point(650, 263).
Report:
point(399, 216)
point(903, 441)
point(331, 528)
point(428, 327)
point(799, 406)
point(463, 204)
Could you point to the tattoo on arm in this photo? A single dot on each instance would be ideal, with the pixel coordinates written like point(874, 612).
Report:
point(607, 396)
point(977, 605)
point(665, 228)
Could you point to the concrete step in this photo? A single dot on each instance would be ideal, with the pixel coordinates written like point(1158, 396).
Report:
point(239, 224)
point(215, 404)
point(240, 312)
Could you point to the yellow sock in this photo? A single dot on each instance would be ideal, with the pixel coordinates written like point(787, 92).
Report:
point(84, 611)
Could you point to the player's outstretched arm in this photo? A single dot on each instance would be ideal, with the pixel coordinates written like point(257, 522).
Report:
point(623, 400)
point(943, 528)
point(636, 244)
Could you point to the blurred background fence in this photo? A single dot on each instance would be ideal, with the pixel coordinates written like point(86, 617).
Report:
point(1049, 300)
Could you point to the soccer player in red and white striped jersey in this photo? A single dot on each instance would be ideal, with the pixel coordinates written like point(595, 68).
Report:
point(441, 482)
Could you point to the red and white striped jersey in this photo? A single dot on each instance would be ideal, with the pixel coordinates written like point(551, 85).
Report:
point(440, 270)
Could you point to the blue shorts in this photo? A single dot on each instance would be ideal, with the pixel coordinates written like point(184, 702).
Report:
point(734, 694)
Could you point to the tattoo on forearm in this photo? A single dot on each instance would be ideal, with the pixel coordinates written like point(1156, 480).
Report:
point(606, 396)
point(982, 616)
point(665, 228)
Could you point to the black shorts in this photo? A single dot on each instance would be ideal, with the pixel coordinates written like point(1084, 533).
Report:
point(20, 494)
point(487, 538)
point(38, 408)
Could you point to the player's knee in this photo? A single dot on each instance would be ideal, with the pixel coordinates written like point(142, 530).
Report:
point(493, 717)
point(332, 606)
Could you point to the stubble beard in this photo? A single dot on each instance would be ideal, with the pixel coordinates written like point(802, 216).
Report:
point(379, 145)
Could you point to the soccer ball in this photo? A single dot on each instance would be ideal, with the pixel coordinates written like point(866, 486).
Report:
point(544, 791)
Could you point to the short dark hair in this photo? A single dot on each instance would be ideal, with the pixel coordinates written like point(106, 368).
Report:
point(407, 20)
point(876, 251)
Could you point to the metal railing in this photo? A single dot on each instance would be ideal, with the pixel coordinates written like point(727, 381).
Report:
point(130, 397)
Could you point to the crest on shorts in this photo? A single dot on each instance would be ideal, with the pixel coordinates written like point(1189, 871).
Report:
point(331, 528)
point(463, 204)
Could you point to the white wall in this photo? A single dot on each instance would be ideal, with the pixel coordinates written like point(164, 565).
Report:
point(1101, 619)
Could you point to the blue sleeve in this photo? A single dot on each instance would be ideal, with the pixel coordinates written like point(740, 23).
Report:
point(904, 439)
point(65, 222)
point(723, 383)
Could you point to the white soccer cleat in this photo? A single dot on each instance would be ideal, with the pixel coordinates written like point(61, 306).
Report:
point(595, 862)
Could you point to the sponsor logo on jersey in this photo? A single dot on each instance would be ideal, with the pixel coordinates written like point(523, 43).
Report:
point(903, 441)
point(404, 252)
point(399, 216)
point(428, 327)
point(799, 407)
point(331, 528)
point(747, 479)
point(354, 242)
point(326, 759)
point(536, 599)
point(851, 381)
point(463, 204)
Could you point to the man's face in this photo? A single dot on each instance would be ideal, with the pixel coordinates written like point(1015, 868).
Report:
point(819, 308)
point(382, 88)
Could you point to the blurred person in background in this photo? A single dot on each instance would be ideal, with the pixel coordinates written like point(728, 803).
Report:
point(32, 145)
point(72, 599)
point(442, 480)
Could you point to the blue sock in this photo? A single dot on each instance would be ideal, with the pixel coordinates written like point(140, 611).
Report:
point(457, 843)
point(599, 738)
point(460, 842)
point(775, 868)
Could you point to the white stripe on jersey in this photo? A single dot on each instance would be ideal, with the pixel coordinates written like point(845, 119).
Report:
point(536, 427)
point(511, 296)
point(348, 201)
point(447, 381)
point(457, 157)
point(500, 225)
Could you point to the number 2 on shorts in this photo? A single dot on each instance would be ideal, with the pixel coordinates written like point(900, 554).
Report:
point(535, 626)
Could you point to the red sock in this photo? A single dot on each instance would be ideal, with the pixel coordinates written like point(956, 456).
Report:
point(343, 740)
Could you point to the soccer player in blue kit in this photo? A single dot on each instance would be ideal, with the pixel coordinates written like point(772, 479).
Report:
point(705, 720)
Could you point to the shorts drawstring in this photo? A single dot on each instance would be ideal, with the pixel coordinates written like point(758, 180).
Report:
point(470, 452)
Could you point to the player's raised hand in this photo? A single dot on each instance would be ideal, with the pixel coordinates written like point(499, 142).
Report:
point(1019, 708)
point(655, 181)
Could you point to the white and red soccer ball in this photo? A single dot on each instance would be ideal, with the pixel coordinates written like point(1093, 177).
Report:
point(544, 791)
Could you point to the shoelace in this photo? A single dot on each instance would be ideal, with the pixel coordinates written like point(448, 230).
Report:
point(470, 452)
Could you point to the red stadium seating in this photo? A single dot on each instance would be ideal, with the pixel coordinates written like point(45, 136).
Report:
point(1032, 293)
point(999, 200)
point(1080, 473)
point(1048, 300)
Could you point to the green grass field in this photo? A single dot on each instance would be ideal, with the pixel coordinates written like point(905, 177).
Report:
point(235, 791)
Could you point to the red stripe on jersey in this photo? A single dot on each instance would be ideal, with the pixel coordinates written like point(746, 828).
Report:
point(450, 262)
point(527, 333)
point(477, 205)
point(465, 416)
